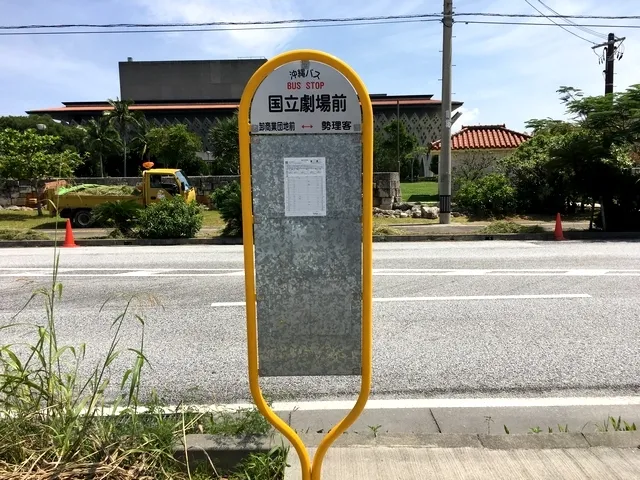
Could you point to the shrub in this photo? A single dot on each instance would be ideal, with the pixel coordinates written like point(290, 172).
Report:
point(227, 199)
point(120, 215)
point(491, 195)
point(170, 218)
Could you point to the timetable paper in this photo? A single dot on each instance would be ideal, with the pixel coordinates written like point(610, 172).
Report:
point(305, 187)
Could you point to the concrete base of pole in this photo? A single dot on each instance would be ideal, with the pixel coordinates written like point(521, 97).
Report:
point(445, 218)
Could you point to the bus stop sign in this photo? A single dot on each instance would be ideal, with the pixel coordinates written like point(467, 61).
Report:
point(306, 167)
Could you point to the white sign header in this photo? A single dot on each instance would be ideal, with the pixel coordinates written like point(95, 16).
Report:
point(305, 97)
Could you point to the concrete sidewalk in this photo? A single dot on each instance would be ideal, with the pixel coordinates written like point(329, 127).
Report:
point(478, 457)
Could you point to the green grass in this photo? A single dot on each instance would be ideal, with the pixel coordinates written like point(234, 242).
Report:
point(419, 192)
point(504, 226)
point(14, 234)
point(212, 219)
point(62, 426)
point(386, 230)
point(29, 220)
point(416, 221)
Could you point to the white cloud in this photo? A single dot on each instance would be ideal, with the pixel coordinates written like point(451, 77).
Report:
point(232, 43)
point(468, 117)
point(52, 69)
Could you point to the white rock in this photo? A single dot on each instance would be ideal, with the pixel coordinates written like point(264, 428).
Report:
point(430, 213)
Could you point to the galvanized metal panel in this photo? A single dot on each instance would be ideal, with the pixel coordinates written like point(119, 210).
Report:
point(308, 269)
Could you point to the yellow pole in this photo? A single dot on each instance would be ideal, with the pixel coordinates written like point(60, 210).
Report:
point(309, 472)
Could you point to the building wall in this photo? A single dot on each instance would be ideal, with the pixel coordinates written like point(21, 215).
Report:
point(185, 80)
point(460, 157)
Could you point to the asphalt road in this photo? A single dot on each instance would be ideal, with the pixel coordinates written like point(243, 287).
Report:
point(450, 318)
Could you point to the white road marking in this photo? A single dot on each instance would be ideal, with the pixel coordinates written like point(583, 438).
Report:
point(418, 403)
point(483, 297)
point(453, 298)
point(236, 272)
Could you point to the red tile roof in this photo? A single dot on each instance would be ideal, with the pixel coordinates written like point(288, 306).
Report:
point(485, 137)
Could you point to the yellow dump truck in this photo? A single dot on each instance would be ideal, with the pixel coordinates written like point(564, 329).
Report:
point(157, 184)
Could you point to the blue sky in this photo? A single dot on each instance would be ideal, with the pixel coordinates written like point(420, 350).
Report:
point(503, 74)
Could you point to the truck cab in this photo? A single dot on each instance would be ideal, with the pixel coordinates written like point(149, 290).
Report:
point(161, 183)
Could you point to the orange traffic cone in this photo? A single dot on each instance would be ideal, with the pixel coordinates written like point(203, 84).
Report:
point(558, 235)
point(68, 236)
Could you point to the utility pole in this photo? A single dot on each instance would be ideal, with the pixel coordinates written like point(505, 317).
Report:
point(610, 51)
point(444, 166)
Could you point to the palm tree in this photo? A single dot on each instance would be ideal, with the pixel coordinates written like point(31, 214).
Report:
point(224, 138)
point(140, 140)
point(101, 139)
point(122, 119)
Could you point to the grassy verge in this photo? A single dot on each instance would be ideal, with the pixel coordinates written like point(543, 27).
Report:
point(505, 226)
point(11, 234)
point(386, 230)
point(417, 221)
point(29, 220)
point(419, 192)
point(58, 423)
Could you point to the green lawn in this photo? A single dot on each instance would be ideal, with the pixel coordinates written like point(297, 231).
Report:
point(419, 192)
point(28, 220)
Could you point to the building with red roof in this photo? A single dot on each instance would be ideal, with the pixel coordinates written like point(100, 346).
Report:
point(481, 143)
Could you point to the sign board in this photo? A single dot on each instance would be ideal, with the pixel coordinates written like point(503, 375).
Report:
point(307, 204)
point(305, 97)
point(307, 210)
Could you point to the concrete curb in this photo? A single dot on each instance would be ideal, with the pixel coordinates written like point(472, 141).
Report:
point(226, 453)
point(223, 451)
point(108, 242)
point(529, 441)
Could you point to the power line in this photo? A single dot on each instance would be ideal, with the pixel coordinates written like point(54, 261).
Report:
point(561, 26)
point(529, 15)
point(224, 23)
point(297, 26)
point(586, 30)
point(423, 16)
point(538, 24)
point(215, 29)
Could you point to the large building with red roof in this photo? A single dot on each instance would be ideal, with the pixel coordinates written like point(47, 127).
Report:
point(198, 93)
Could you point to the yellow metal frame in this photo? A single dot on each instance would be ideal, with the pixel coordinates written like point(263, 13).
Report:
point(310, 471)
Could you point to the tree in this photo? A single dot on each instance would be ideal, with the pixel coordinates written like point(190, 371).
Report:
point(28, 155)
point(395, 150)
point(541, 187)
point(586, 158)
point(140, 137)
point(69, 137)
point(226, 150)
point(101, 140)
point(176, 147)
point(124, 122)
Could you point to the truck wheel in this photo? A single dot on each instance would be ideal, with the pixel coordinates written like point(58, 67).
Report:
point(82, 218)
